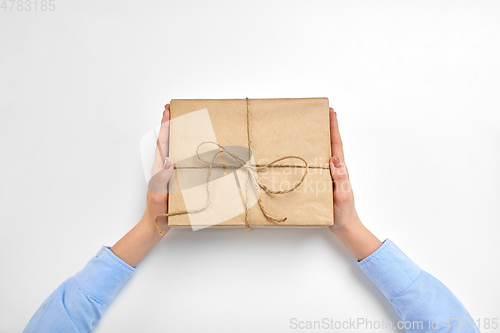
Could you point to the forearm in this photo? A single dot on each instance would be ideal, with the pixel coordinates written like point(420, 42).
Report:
point(78, 303)
point(356, 238)
point(138, 242)
point(419, 298)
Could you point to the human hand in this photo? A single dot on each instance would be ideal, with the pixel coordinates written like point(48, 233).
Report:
point(161, 173)
point(343, 197)
point(137, 243)
point(347, 225)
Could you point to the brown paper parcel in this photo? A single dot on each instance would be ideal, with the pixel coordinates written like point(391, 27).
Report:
point(275, 128)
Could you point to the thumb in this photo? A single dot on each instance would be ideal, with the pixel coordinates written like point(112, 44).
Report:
point(158, 183)
point(340, 177)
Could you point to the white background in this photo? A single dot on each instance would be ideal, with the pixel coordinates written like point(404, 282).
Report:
point(415, 86)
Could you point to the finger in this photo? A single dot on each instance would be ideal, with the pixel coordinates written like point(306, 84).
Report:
point(340, 176)
point(336, 141)
point(164, 131)
point(159, 181)
point(166, 113)
point(161, 161)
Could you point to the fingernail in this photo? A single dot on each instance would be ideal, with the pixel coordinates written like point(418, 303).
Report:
point(167, 163)
point(336, 162)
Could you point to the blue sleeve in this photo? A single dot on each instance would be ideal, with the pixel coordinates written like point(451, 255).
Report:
point(416, 295)
point(78, 303)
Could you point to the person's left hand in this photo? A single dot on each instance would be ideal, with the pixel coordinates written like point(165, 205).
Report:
point(161, 173)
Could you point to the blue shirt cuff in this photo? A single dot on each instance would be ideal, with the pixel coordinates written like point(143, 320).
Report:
point(390, 269)
point(104, 275)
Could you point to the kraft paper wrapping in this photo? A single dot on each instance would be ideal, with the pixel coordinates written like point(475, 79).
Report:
point(278, 127)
